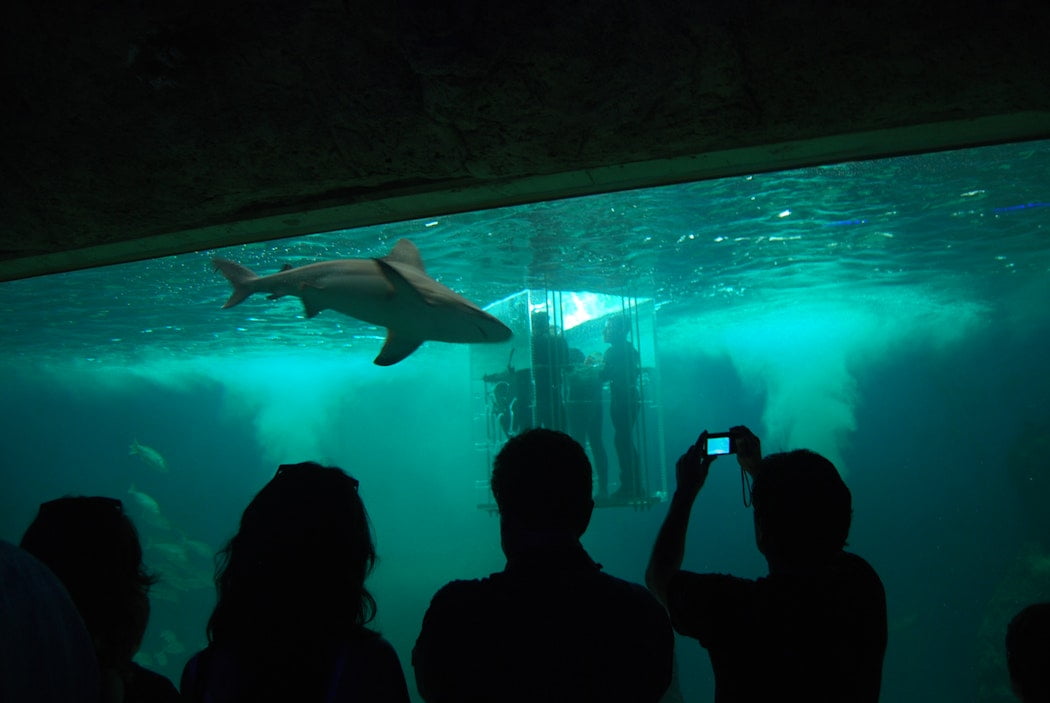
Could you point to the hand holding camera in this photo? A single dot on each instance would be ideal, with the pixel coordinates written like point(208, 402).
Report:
point(740, 441)
point(691, 470)
point(748, 448)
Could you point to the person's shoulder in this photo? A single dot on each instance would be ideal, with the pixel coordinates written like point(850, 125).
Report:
point(463, 588)
point(857, 568)
point(623, 586)
point(149, 687)
point(369, 644)
point(463, 595)
point(628, 593)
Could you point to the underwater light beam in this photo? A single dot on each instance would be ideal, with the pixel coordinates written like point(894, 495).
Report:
point(807, 356)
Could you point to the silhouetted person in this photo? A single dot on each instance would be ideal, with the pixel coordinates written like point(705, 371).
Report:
point(289, 624)
point(583, 405)
point(1028, 653)
point(550, 354)
point(46, 654)
point(551, 626)
point(622, 370)
point(93, 548)
point(814, 629)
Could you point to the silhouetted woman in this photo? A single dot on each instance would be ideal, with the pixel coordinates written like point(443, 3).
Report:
point(93, 548)
point(292, 606)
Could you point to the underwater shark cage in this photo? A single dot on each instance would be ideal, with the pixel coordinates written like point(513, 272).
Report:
point(553, 373)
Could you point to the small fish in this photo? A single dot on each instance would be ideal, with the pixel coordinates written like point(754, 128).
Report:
point(145, 507)
point(150, 456)
point(394, 292)
point(201, 549)
point(172, 553)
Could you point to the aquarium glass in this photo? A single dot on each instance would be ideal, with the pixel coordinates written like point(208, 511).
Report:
point(890, 314)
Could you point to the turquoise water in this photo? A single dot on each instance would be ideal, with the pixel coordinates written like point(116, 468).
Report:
point(890, 314)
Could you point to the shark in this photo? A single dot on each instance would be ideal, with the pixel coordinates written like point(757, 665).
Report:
point(394, 292)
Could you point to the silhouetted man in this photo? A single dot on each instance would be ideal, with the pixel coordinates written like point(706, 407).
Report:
point(814, 629)
point(551, 626)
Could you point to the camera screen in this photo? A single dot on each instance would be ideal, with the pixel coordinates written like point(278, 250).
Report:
point(717, 445)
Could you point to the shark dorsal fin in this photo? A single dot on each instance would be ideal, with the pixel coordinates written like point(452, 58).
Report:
point(405, 252)
point(398, 281)
point(396, 348)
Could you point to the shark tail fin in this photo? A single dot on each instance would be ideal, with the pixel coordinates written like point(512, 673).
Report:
point(240, 277)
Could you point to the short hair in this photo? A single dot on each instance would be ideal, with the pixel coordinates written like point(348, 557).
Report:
point(802, 506)
point(93, 548)
point(618, 325)
point(1028, 652)
point(541, 479)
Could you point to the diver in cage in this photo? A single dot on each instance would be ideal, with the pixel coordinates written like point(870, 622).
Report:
point(583, 407)
point(510, 399)
point(550, 355)
point(622, 370)
point(503, 408)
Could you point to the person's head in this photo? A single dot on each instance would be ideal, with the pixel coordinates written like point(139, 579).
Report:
point(802, 507)
point(297, 565)
point(616, 328)
point(541, 480)
point(576, 357)
point(501, 393)
point(93, 548)
point(1028, 653)
point(540, 322)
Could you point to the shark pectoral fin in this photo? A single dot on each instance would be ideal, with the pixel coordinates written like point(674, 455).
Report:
point(310, 310)
point(310, 307)
point(396, 348)
point(400, 284)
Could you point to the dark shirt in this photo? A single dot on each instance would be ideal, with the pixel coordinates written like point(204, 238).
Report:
point(144, 686)
point(550, 627)
point(366, 670)
point(814, 635)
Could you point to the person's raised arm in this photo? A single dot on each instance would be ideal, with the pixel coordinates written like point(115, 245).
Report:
point(669, 549)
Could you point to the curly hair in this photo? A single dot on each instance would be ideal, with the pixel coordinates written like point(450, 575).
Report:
point(93, 548)
point(291, 582)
